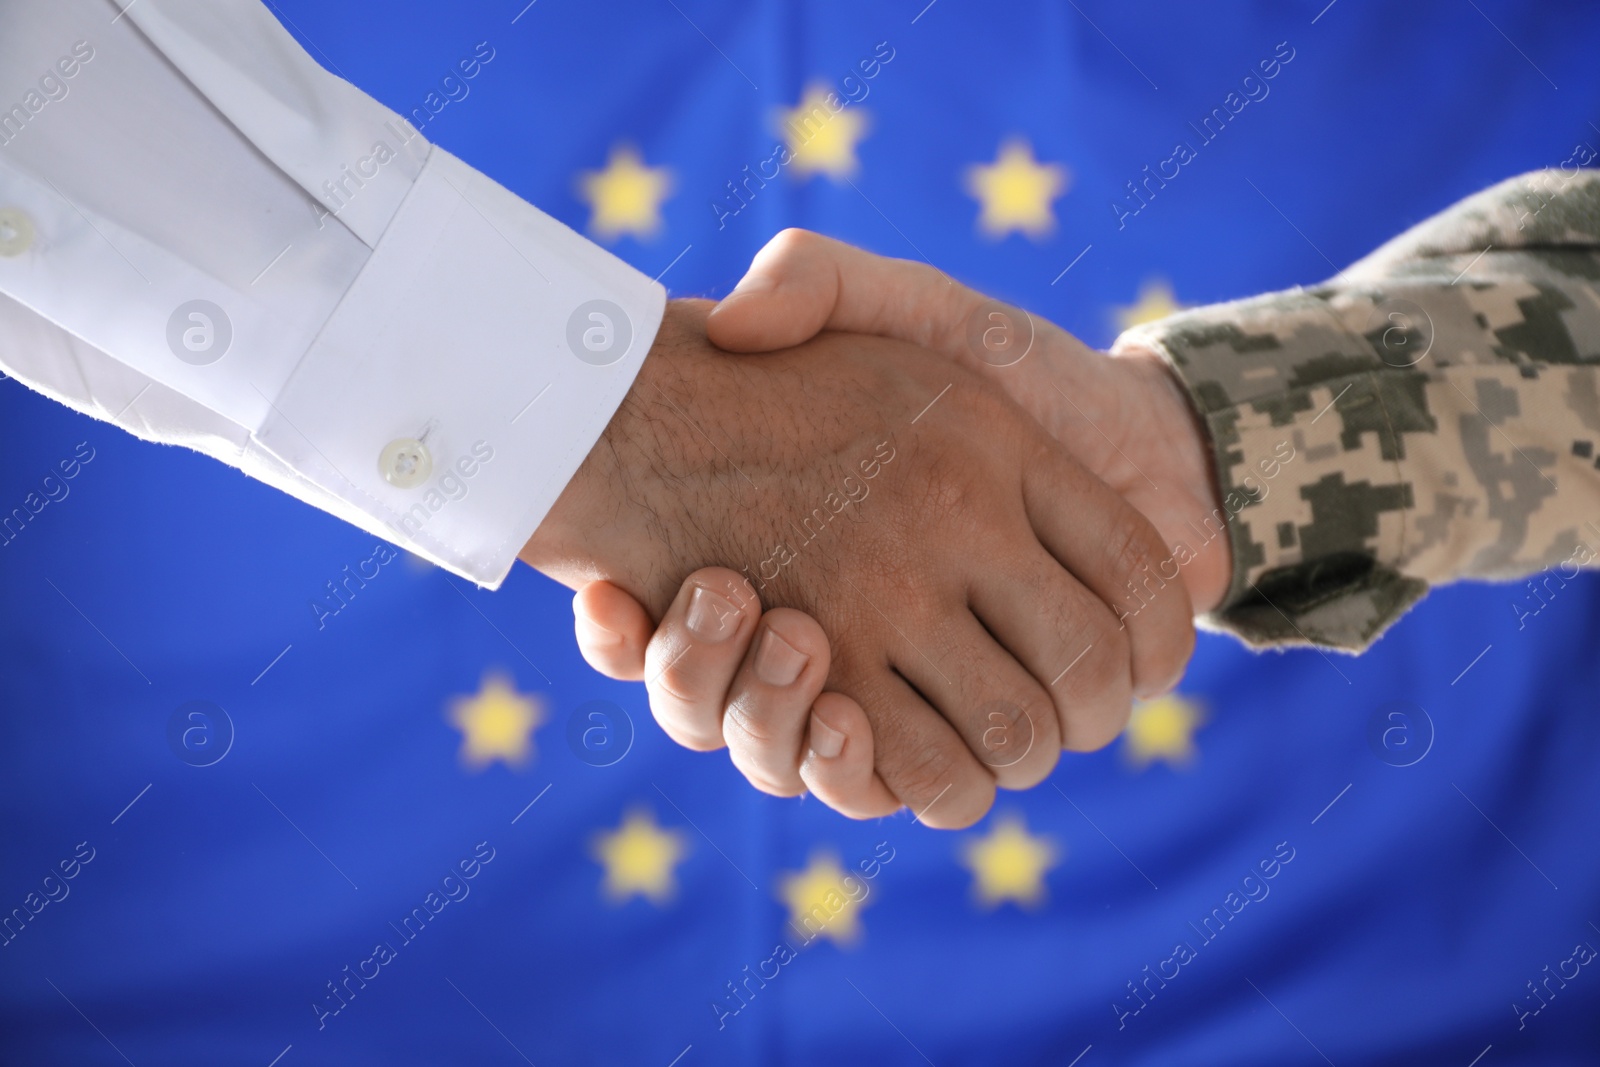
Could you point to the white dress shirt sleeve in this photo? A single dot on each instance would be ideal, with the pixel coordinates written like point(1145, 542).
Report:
point(211, 241)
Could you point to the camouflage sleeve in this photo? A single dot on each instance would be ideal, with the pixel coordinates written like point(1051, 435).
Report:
point(1432, 413)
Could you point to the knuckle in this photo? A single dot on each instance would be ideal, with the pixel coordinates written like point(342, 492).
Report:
point(1011, 731)
point(1116, 688)
point(926, 772)
point(774, 776)
point(1096, 669)
point(1094, 711)
point(687, 718)
point(1042, 734)
point(1097, 707)
point(949, 333)
point(854, 798)
point(765, 748)
point(1108, 661)
point(963, 806)
point(941, 788)
point(1041, 712)
point(1092, 733)
point(793, 239)
point(673, 684)
point(682, 731)
point(1132, 550)
point(752, 726)
point(1117, 648)
point(1036, 766)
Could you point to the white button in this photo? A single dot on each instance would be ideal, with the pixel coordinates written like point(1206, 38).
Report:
point(16, 232)
point(405, 463)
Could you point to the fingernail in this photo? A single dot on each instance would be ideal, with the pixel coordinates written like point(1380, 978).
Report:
point(825, 740)
point(710, 617)
point(593, 634)
point(778, 663)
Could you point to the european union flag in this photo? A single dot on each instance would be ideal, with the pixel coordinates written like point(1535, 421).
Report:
point(277, 794)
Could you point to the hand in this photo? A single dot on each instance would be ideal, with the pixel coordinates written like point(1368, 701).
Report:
point(956, 555)
point(824, 739)
point(1125, 417)
point(1149, 447)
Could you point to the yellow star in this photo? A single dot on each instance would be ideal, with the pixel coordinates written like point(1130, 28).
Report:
point(1162, 729)
point(1008, 863)
point(626, 196)
point(496, 724)
point(639, 858)
point(823, 900)
point(822, 140)
point(1016, 191)
point(1155, 302)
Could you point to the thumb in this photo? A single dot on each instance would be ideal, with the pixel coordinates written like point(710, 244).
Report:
point(802, 282)
point(785, 298)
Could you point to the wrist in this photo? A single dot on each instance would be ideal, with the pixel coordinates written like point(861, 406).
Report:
point(1191, 518)
point(556, 548)
point(632, 515)
point(593, 513)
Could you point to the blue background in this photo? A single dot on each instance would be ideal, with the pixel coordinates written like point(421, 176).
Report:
point(1416, 907)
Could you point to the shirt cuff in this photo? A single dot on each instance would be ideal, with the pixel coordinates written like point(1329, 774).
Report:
point(1300, 407)
point(466, 373)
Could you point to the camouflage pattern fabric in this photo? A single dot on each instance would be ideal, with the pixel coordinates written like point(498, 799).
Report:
point(1430, 414)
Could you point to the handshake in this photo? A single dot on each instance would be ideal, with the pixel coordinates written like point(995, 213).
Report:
point(903, 549)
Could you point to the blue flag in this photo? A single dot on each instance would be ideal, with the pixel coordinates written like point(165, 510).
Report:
point(276, 793)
